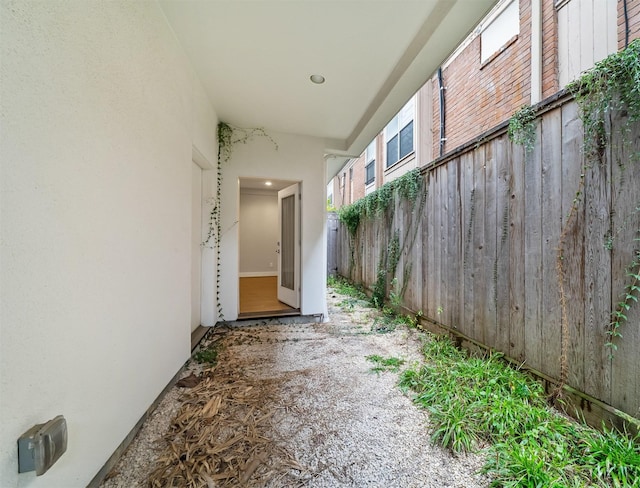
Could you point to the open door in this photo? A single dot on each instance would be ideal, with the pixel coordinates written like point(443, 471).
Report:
point(289, 246)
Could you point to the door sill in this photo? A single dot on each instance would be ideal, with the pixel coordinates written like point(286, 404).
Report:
point(269, 314)
point(197, 335)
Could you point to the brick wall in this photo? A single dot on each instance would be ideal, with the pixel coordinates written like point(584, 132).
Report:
point(550, 83)
point(633, 12)
point(480, 96)
point(358, 179)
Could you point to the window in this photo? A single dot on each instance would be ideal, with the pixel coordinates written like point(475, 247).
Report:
point(399, 134)
point(370, 168)
point(500, 30)
point(370, 173)
point(406, 140)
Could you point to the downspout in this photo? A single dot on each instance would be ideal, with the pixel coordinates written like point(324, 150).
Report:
point(442, 111)
point(626, 24)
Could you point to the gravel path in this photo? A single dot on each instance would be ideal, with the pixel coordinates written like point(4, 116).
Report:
point(341, 423)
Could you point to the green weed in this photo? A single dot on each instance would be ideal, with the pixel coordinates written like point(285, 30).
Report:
point(344, 287)
point(385, 364)
point(208, 355)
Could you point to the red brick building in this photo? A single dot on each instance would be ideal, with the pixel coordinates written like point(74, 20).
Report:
point(523, 52)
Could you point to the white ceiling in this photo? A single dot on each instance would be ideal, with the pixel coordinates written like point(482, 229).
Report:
point(261, 184)
point(255, 59)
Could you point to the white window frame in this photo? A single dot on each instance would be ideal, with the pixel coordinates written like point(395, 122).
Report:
point(402, 119)
point(370, 159)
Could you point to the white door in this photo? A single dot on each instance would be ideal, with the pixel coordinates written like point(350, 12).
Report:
point(289, 246)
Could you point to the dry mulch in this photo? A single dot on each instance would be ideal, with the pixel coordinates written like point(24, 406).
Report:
point(294, 404)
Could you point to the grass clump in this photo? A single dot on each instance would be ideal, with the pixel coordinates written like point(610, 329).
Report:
point(208, 355)
point(344, 287)
point(385, 364)
point(389, 320)
point(614, 457)
point(484, 400)
point(386, 322)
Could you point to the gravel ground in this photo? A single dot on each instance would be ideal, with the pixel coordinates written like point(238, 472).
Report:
point(344, 424)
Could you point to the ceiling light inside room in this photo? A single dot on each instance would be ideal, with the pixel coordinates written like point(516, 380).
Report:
point(317, 79)
point(268, 183)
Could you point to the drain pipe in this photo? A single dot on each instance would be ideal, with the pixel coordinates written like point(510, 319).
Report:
point(626, 24)
point(442, 109)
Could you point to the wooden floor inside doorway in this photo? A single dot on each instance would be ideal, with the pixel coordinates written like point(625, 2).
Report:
point(259, 298)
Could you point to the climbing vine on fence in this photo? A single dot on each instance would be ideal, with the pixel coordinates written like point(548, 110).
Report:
point(229, 136)
point(380, 205)
point(611, 85)
point(387, 265)
point(522, 127)
point(378, 202)
point(630, 296)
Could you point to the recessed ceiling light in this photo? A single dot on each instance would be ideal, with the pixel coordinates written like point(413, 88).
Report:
point(268, 183)
point(317, 79)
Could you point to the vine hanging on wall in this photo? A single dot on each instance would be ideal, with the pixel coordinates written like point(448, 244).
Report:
point(375, 204)
point(630, 296)
point(380, 204)
point(613, 84)
point(228, 137)
point(522, 128)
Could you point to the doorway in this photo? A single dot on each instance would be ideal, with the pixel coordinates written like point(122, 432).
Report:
point(263, 244)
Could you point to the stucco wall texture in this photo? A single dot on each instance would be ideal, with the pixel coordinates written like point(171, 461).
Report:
point(296, 159)
point(98, 126)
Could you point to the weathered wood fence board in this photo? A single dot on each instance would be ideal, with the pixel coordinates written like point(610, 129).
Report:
point(332, 243)
point(533, 255)
point(573, 257)
point(551, 228)
point(517, 273)
point(482, 254)
point(502, 299)
point(625, 197)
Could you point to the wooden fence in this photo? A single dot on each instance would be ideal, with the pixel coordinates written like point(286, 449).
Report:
point(480, 254)
point(332, 243)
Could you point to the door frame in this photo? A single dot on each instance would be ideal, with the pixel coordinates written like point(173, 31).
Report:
point(290, 296)
point(208, 312)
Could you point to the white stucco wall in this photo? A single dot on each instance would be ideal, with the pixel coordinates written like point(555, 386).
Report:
point(100, 115)
point(258, 233)
point(298, 158)
point(205, 155)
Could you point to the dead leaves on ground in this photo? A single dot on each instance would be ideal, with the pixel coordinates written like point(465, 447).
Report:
point(220, 436)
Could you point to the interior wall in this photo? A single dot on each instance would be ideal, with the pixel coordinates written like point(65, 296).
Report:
point(297, 158)
point(258, 233)
point(100, 117)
